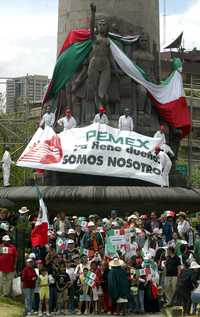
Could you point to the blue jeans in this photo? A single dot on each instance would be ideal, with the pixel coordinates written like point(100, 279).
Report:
point(36, 302)
point(195, 298)
point(139, 301)
point(28, 296)
point(52, 298)
point(71, 291)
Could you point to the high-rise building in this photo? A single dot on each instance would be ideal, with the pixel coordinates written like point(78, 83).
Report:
point(21, 90)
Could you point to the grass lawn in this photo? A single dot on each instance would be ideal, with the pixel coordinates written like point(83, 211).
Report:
point(11, 307)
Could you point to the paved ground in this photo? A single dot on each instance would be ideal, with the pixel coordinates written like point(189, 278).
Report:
point(132, 315)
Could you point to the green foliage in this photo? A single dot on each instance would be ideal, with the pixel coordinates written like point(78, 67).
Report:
point(195, 179)
point(16, 130)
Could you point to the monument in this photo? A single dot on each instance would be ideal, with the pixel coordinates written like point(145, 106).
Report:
point(99, 81)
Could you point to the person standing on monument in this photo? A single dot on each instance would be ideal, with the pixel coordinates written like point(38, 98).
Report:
point(125, 121)
point(101, 117)
point(67, 122)
point(6, 165)
point(48, 118)
point(160, 134)
point(165, 163)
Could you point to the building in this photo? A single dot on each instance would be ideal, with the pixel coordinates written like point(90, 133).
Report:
point(21, 90)
point(190, 147)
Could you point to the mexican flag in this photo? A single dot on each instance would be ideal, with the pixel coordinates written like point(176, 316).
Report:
point(168, 97)
point(75, 50)
point(39, 234)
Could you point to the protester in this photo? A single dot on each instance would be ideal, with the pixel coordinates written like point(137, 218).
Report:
point(23, 231)
point(173, 266)
point(8, 262)
point(62, 284)
point(183, 226)
point(6, 166)
point(28, 278)
point(118, 286)
point(160, 134)
point(101, 117)
point(67, 122)
point(112, 265)
point(125, 121)
point(186, 283)
point(48, 118)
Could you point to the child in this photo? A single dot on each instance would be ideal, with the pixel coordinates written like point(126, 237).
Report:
point(44, 291)
point(84, 293)
point(62, 284)
point(71, 272)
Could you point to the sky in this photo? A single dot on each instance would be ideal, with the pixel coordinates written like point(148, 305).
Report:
point(28, 31)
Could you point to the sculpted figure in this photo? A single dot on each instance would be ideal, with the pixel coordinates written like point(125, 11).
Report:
point(99, 70)
point(145, 112)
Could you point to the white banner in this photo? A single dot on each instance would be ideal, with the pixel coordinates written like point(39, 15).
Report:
point(97, 149)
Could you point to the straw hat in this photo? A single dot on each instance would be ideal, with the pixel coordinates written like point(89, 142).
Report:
point(23, 210)
point(116, 262)
point(194, 265)
point(71, 231)
point(91, 224)
point(6, 238)
point(132, 217)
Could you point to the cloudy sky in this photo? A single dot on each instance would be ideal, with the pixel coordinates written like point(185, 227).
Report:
point(28, 30)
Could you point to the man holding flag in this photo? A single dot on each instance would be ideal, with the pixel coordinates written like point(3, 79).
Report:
point(39, 234)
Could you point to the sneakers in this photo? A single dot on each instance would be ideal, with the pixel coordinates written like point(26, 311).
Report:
point(40, 313)
point(78, 312)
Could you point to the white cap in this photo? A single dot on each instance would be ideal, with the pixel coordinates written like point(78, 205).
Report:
point(70, 231)
point(105, 220)
point(32, 256)
point(91, 224)
point(6, 238)
point(70, 241)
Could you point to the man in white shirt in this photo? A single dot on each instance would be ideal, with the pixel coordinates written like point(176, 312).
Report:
point(67, 122)
point(101, 117)
point(160, 134)
point(166, 164)
point(48, 118)
point(125, 121)
point(6, 165)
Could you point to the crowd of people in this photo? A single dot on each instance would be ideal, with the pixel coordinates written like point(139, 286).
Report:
point(115, 265)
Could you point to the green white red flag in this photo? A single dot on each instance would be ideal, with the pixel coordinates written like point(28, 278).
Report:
point(39, 234)
point(168, 97)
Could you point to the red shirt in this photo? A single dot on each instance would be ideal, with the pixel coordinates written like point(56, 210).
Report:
point(28, 277)
point(8, 256)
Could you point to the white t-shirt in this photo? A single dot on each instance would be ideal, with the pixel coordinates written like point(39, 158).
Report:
point(101, 119)
point(71, 272)
point(67, 123)
point(48, 120)
point(125, 123)
point(161, 136)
